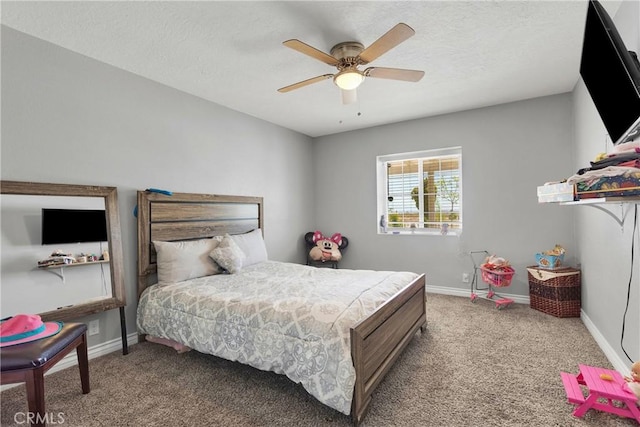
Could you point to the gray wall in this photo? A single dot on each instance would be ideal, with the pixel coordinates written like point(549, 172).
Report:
point(507, 151)
point(70, 119)
point(604, 247)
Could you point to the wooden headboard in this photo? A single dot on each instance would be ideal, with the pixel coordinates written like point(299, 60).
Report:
point(189, 216)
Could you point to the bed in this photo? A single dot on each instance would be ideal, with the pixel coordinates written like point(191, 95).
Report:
point(336, 332)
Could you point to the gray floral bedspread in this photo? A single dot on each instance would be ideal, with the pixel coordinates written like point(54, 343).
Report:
point(287, 318)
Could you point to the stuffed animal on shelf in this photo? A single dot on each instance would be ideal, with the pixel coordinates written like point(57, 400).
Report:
point(634, 380)
point(326, 248)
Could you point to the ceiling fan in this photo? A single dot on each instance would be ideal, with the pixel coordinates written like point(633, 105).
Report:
point(347, 56)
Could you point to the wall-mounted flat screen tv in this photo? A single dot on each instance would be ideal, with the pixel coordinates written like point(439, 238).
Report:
point(73, 226)
point(611, 74)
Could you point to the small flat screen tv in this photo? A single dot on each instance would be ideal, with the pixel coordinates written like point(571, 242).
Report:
point(73, 226)
point(611, 74)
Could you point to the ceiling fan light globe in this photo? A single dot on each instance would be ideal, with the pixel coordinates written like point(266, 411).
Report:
point(348, 79)
point(349, 96)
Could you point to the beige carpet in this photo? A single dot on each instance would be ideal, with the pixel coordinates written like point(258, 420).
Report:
point(475, 366)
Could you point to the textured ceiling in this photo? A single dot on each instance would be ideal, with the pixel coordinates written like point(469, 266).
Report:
point(474, 53)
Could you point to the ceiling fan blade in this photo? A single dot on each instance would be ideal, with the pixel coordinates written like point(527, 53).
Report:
point(389, 40)
point(394, 74)
point(311, 51)
point(305, 83)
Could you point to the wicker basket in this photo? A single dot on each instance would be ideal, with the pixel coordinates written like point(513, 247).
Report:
point(555, 292)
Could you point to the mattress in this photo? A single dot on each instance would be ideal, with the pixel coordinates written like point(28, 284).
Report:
point(287, 318)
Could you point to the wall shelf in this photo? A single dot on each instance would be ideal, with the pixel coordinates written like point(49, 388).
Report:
point(600, 201)
point(75, 264)
point(603, 200)
point(61, 267)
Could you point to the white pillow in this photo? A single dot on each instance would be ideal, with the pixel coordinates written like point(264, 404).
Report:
point(228, 255)
point(252, 244)
point(184, 260)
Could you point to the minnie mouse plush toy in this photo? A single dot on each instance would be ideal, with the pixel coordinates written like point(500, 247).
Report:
point(327, 248)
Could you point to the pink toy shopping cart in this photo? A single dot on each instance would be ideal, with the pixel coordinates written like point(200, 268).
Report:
point(493, 277)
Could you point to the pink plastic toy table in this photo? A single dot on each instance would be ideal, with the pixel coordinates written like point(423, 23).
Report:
point(601, 392)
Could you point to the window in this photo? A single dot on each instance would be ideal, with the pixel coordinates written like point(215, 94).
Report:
point(420, 192)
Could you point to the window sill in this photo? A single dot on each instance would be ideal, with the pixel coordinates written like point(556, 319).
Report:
point(452, 233)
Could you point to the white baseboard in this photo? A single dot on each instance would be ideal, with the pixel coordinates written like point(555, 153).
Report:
point(467, 293)
point(618, 363)
point(92, 352)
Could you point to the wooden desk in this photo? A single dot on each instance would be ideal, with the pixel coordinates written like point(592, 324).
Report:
point(601, 393)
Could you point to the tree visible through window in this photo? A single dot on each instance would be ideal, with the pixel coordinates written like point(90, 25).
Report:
point(420, 192)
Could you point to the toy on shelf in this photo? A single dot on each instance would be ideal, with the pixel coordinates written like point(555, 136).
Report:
point(57, 258)
point(495, 272)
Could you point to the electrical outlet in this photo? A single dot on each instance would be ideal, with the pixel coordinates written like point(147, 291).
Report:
point(94, 327)
point(465, 277)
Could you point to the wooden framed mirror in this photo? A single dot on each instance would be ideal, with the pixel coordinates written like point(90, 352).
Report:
point(113, 257)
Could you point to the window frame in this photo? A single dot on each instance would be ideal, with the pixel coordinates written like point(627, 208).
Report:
point(382, 188)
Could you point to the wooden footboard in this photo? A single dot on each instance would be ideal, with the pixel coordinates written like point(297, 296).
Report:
point(378, 340)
